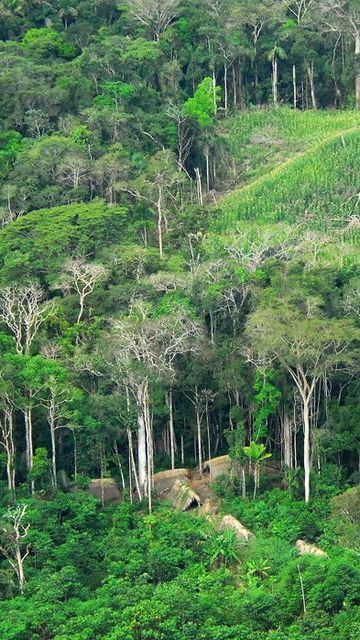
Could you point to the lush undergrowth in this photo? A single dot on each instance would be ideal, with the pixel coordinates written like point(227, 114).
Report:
point(120, 574)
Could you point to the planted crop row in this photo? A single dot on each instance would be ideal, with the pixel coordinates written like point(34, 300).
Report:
point(323, 185)
point(259, 139)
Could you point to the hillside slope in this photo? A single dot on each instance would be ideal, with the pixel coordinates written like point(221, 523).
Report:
point(320, 183)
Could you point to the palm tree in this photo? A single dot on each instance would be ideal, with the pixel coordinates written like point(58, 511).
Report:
point(275, 54)
point(257, 453)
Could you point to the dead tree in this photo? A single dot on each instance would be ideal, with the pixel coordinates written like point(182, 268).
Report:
point(23, 311)
point(157, 15)
point(81, 277)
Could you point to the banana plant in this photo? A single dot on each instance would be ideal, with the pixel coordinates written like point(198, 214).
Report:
point(256, 452)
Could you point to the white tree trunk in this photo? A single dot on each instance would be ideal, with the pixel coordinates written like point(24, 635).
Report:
point(288, 442)
point(132, 467)
point(29, 442)
point(357, 69)
point(171, 429)
point(275, 80)
point(226, 88)
point(294, 87)
point(310, 72)
point(307, 448)
point(160, 221)
point(53, 448)
point(199, 439)
point(7, 442)
point(142, 467)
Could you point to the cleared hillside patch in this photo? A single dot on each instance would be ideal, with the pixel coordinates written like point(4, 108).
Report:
point(321, 185)
point(260, 139)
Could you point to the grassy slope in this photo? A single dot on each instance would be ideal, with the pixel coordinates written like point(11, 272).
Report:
point(309, 165)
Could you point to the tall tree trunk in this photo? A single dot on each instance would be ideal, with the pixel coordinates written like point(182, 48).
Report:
point(20, 569)
point(132, 467)
point(208, 429)
point(171, 428)
point(102, 465)
point(142, 466)
point(275, 79)
point(226, 89)
point(287, 439)
point(160, 221)
point(7, 442)
point(81, 310)
point(207, 160)
point(199, 186)
point(214, 90)
point(311, 75)
point(75, 455)
point(307, 447)
point(357, 69)
point(198, 426)
point(118, 460)
point(243, 482)
point(149, 448)
point(53, 447)
point(294, 87)
point(29, 441)
point(234, 85)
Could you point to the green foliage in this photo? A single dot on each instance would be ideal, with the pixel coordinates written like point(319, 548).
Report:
point(256, 452)
point(10, 146)
point(224, 548)
point(45, 42)
point(114, 138)
point(203, 106)
point(82, 228)
point(40, 472)
point(267, 398)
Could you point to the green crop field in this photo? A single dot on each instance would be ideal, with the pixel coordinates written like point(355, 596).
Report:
point(260, 139)
point(320, 183)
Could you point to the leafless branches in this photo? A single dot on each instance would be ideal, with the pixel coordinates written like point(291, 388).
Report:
point(23, 311)
point(81, 276)
point(155, 14)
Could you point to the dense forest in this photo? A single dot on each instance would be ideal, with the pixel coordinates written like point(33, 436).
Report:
point(179, 319)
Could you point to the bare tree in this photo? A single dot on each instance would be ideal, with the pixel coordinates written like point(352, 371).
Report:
point(7, 442)
point(13, 546)
point(23, 311)
point(143, 350)
point(73, 170)
point(82, 277)
point(155, 14)
point(184, 134)
point(299, 8)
